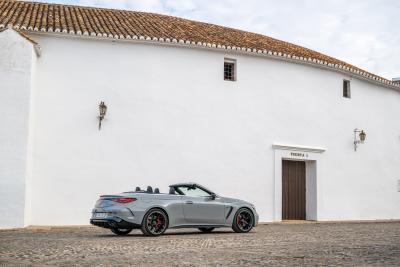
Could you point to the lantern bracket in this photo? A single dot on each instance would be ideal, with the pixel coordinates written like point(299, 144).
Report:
point(359, 138)
point(102, 111)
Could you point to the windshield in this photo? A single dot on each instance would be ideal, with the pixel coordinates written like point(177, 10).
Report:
point(192, 191)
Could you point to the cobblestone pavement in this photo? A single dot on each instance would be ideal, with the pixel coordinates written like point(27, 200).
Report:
point(355, 244)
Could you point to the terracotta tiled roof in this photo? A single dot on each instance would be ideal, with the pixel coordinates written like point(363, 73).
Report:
point(121, 24)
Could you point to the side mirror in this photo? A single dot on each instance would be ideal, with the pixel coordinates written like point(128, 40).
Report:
point(213, 196)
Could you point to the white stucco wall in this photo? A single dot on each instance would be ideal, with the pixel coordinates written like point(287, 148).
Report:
point(16, 57)
point(172, 118)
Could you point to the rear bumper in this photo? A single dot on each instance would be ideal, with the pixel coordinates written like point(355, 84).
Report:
point(114, 223)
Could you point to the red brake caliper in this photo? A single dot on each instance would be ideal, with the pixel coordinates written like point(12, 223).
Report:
point(238, 219)
point(158, 222)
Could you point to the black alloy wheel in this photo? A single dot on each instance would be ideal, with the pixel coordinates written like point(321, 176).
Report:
point(119, 231)
point(243, 221)
point(155, 222)
point(206, 229)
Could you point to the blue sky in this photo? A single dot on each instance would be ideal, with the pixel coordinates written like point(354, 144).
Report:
point(363, 33)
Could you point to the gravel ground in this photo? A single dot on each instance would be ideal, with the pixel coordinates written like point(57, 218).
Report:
point(351, 244)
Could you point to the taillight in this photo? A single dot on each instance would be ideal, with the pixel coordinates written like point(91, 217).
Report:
point(123, 199)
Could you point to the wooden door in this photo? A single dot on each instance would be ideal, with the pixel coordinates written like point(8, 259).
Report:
point(293, 190)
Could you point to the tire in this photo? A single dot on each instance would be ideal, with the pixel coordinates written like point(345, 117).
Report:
point(154, 223)
point(118, 231)
point(243, 221)
point(206, 229)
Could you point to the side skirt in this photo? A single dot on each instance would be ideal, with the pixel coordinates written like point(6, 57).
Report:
point(199, 226)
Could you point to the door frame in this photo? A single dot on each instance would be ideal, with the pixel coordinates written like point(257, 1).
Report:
point(313, 157)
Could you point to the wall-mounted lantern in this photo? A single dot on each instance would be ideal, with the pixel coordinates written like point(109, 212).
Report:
point(103, 111)
point(359, 138)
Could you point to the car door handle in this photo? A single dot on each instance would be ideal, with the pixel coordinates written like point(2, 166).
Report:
point(189, 202)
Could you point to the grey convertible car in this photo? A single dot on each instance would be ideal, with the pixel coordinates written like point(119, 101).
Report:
point(187, 205)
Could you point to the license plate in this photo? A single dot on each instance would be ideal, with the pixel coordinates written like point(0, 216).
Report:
point(100, 215)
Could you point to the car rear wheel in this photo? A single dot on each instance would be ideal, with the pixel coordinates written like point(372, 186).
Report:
point(155, 222)
point(243, 221)
point(206, 229)
point(119, 231)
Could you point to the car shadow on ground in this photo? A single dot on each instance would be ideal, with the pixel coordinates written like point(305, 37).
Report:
point(139, 234)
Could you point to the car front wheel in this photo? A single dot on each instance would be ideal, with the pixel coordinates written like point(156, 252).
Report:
point(119, 231)
point(155, 222)
point(243, 221)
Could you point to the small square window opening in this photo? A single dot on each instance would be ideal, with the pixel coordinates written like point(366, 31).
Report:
point(229, 70)
point(346, 89)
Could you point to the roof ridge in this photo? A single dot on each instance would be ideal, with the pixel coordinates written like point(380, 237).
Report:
point(102, 8)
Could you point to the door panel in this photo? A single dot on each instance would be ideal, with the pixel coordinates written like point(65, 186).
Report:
point(293, 190)
point(203, 210)
point(174, 207)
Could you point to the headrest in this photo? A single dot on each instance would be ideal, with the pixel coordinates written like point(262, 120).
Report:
point(156, 191)
point(172, 190)
point(149, 189)
point(137, 188)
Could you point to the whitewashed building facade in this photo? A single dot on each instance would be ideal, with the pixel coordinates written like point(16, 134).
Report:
point(211, 111)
